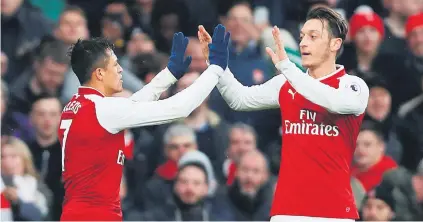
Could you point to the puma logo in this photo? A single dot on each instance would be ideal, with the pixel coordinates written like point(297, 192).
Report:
point(292, 93)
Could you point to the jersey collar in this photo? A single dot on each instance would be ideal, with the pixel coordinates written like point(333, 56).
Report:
point(340, 71)
point(85, 90)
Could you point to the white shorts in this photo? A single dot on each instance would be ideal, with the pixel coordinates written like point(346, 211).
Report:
point(285, 218)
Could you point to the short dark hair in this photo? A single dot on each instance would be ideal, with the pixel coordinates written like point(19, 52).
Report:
point(45, 96)
point(73, 8)
point(337, 25)
point(194, 164)
point(87, 55)
point(145, 63)
point(54, 49)
point(376, 128)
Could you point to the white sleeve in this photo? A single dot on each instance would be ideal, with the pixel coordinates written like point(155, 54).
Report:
point(244, 98)
point(152, 91)
point(351, 97)
point(116, 114)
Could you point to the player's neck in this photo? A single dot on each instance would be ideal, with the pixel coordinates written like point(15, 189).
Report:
point(99, 87)
point(322, 70)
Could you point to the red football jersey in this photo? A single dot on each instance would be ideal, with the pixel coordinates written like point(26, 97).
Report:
point(92, 160)
point(92, 136)
point(317, 152)
point(321, 119)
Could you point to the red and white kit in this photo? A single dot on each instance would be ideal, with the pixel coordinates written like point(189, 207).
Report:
point(320, 124)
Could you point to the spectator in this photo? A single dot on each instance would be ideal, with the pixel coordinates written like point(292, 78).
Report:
point(198, 63)
point(4, 62)
point(23, 190)
point(251, 195)
point(189, 199)
point(394, 42)
point(408, 192)
point(411, 113)
point(46, 149)
point(379, 205)
point(370, 161)
point(210, 129)
point(23, 27)
point(12, 123)
point(245, 62)
point(138, 44)
point(379, 110)
point(366, 33)
point(242, 139)
point(141, 15)
point(178, 139)
point(72, 25)
point(46, 76)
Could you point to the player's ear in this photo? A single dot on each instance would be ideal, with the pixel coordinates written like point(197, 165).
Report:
point(99, 74)
point(335, 44)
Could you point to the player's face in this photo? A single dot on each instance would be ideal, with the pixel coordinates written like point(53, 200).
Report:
point(251, 174)
point(379, 105)
point(367, 39)
point(317, 46)
point(240, 142)
point(178, 146)
point(376, 210)
point(191, 185)
point(11, 162)
point(45, 117)
point(113, 75)
point(368, 150)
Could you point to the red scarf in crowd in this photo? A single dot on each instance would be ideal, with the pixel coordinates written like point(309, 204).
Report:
point(373, 176)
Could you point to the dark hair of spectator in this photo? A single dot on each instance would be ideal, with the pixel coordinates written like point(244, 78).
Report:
point(373, 127)
point(88, 55)
point(73, 8)
point(45, 96)
point(194, 164)
point(337, 25)
point(55, 50)
point(146, 63)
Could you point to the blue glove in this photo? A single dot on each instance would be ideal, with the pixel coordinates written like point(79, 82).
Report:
point(218, 49)
point(177, 65)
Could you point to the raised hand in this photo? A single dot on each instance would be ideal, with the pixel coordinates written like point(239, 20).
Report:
point(178, 65)
point(280, 48)
point(218, 49)
point(205, 40)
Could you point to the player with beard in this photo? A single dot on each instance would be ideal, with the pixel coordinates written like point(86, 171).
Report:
point(321, 111)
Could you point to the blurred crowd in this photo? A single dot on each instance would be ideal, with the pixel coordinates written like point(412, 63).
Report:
point(217, 164)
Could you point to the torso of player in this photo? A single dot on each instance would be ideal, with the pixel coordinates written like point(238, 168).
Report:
point(317, 150)
point(92, 158)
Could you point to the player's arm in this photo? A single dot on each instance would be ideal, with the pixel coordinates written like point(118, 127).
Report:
point(127, 113)
point(116, 113)
point(350, 98)
point(238, 96)
point(244, 98)
point(152, 91)
point(176, 67)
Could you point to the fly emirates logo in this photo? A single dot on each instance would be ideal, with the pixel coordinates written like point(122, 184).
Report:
point(307, 126)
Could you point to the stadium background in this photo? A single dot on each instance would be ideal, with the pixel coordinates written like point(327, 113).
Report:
point(234, 155)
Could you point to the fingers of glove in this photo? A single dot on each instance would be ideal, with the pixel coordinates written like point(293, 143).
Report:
point(218, 35)
point(185, 42)
point(187, 61)
point(227, 38)
point(175, 37)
